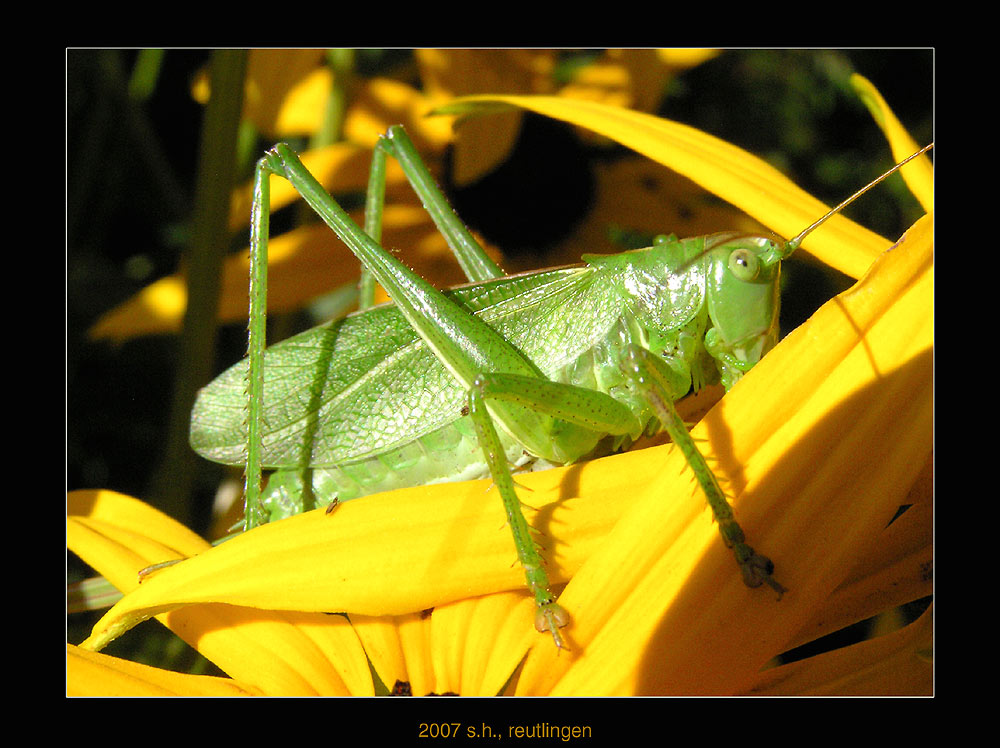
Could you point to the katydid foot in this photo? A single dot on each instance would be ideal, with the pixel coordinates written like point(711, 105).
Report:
point(552, 617)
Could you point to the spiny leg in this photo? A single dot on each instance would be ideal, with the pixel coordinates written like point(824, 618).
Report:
point(475, 263)
point(582, 410)
point(374, 207)
point(651, 377)
point(259, 230)
point(550, 616)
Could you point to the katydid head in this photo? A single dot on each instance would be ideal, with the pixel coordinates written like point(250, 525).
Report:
point(741, 288)
point(742, 275)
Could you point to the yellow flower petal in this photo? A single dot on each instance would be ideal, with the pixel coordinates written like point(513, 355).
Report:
point(478, 642)
point(380, 636)
point(481, 147)
point(95, 674)
point(720, 167)
point(469, 647)
point(897, 570)
point(446, 73)
point(271, 652)
point(919, 174)
point(304, 105)
point(272, 77)
point(631, 78)
point(158, 308)
point(383, 102)
point(898, 664)
point(681, 58)
point(119, 535)
point(390, 554)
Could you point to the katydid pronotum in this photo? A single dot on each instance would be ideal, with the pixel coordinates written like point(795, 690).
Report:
point(505, 371)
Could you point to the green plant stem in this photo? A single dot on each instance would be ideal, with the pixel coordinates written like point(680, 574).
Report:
point(203, 262)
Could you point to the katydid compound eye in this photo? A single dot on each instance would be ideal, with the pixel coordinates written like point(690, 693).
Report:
point(744, 264)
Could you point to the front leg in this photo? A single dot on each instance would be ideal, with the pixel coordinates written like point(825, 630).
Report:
point(652, 377)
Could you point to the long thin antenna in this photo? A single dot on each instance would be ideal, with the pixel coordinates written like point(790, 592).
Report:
point(794, 243)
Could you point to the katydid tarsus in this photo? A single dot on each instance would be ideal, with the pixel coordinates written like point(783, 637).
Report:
point(502, 372)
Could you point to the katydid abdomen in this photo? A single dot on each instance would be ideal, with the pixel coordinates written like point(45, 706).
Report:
point(362, 405)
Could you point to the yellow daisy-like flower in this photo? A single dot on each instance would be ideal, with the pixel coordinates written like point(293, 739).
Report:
point(819, 446)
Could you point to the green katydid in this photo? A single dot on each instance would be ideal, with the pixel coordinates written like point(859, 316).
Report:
point(505, 371)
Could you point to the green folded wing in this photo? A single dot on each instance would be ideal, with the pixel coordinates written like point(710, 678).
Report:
point(366, 384)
